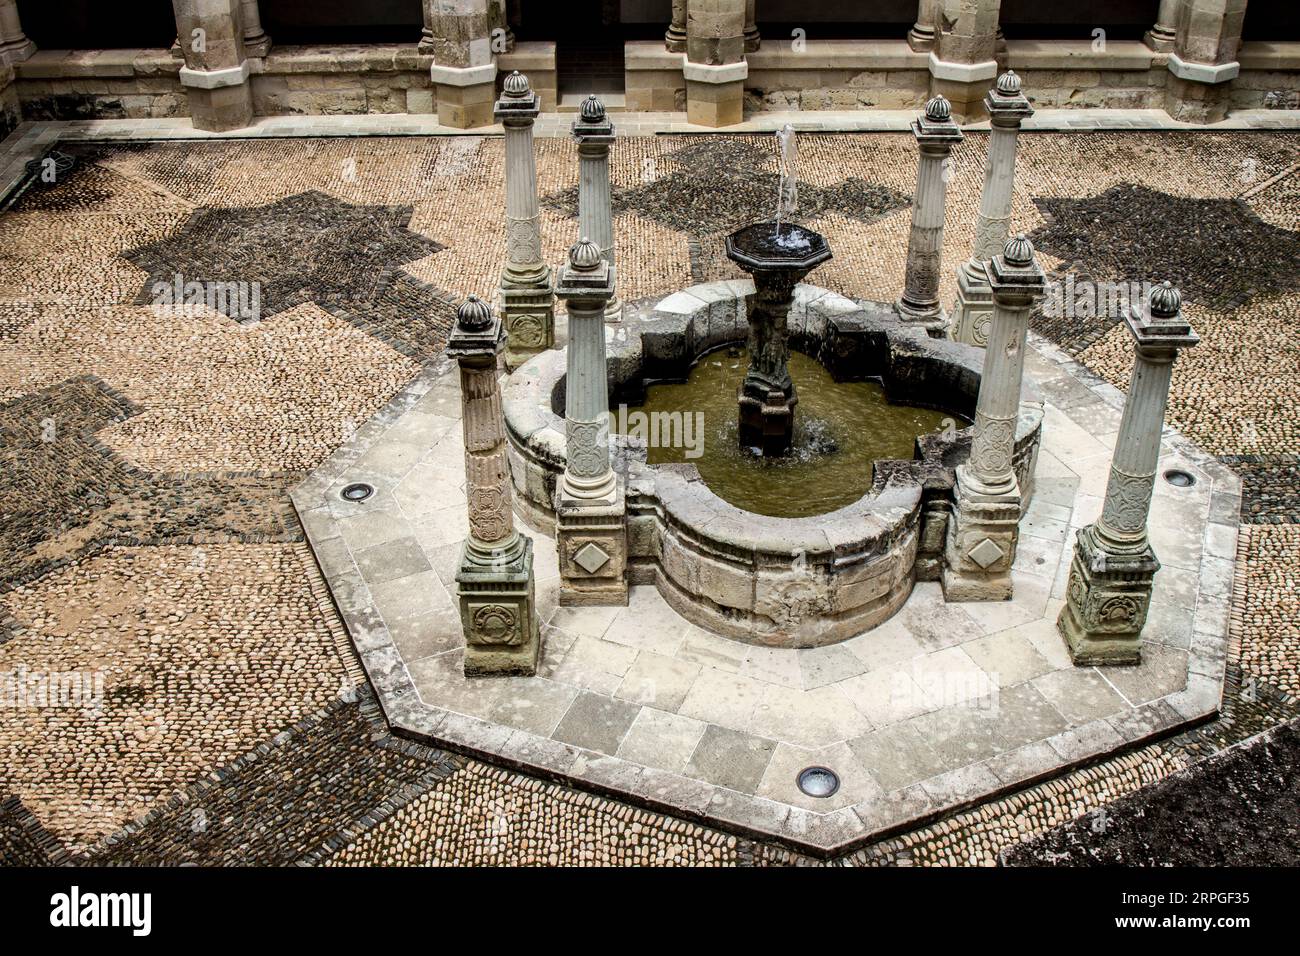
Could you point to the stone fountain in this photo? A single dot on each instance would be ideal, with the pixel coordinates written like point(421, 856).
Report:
point(778, 255)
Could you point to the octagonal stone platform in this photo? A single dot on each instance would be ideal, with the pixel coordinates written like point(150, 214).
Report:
point(941, 707)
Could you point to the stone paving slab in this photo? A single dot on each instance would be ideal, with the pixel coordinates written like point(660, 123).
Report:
point(940, 707)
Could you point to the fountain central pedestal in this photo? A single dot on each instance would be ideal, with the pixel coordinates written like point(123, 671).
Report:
point(778, 257)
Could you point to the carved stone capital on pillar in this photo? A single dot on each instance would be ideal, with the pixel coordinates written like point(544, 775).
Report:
point(1007, 108)
point(527, 301)
point(494, 579)
point(984, 529)
point(935, 134)
point(1113, 569)
point(591, 515)
point(594, 134)
point(14, 44)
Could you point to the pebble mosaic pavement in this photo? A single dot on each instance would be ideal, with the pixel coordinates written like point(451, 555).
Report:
point(160, 549)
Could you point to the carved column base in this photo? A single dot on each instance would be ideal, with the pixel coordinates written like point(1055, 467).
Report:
point(675, 40)
point(973, 312)
point(1106, 602)
point(766, 417)
point(933, 318)
point(498, 612)
point(1160, 39)
point(920, 39)
point(592, 540)
point(981, 543)
point(529, 317)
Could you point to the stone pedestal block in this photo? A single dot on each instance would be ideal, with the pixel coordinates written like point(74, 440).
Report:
point(498, 611)
point(221, 108)
point(1106, 602)
point(981, 545)
point(592, 539)
point(529, 316)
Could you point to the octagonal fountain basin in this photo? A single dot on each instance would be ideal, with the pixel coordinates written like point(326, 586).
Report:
point(834, 560)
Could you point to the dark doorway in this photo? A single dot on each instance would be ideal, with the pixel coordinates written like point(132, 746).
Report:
point(589, 37)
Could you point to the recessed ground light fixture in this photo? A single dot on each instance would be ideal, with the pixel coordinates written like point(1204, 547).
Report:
point(1179, 479)
point(358, 491)
point(818, 781)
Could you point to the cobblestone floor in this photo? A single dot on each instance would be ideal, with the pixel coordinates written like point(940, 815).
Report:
point(147, 449)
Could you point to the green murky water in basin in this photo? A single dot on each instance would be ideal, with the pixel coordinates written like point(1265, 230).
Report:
point(840, 429)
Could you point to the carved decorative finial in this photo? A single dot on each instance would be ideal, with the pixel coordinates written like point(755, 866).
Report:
point(474, 315)
point(593, 110)
point(938, 110)
point(584, 255)
point(1019, 251)
point(1166, 301)
point(1009, 83)
point(516, 85)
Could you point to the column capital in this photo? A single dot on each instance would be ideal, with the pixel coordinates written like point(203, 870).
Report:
point(934, 128)
point(1007, 106)
point(1015, 277)
point(477, 333)
point(587, 280)
point(1158, 326)
point(518, 105)
point(592, 125)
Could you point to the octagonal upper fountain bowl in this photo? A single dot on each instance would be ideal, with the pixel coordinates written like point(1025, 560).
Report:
point(828, 573)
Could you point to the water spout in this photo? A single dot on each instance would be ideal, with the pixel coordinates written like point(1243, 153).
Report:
point(787, 198)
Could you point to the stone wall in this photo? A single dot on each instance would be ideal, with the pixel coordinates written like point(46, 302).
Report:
point(101, 84)
point(380, 78)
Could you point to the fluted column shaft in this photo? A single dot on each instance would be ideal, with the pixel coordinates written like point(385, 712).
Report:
point(925, 241)
point(487, 469)
point(586, 417)
point(1137, 449)
point(595, 207)
point(998, 406)
point(524, 262)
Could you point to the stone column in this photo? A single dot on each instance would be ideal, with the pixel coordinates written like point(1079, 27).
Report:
point(1111, 575)
point(256, 42)
point(14, 44)
point(591, 513)
point(753, 39)
point(458, 33)
point(985, 523)
point(675, 38)
point(1161, 36)
point(527, 301)
point(1007, 109)
point(494, 580)
point(1204, 59)
point(215, 74)
point(964, 58)
point(925, 31)
point(936, 134)
point(715, 67)
point(594, 133)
